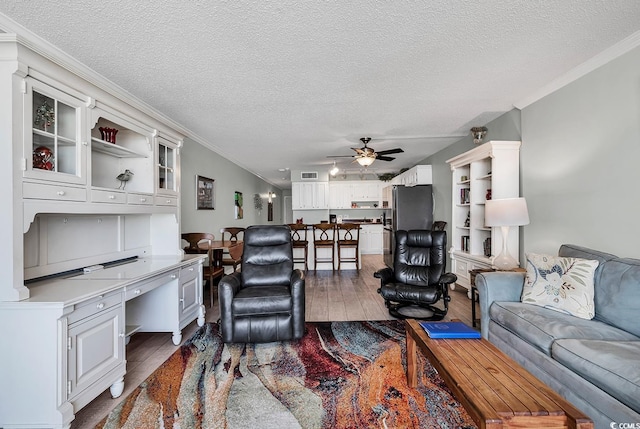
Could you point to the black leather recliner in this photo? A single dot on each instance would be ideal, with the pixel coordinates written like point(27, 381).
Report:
point(265, 301)
point(418, 277)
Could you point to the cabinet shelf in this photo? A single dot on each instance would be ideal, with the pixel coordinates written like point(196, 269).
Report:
point(113, 149)
point(489, 170)
point(131, 329)
point(62, 141)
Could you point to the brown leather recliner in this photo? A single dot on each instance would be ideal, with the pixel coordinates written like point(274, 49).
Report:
point(266, 300)
point(418, 277)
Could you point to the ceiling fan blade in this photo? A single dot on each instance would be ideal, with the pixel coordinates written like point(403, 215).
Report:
point(385, 158)
point(359, 150)
point(341, 156)
point(390, 151)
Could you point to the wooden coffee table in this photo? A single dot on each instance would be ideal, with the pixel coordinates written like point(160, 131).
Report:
point(494, 389)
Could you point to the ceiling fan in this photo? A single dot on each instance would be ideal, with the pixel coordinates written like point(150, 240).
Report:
point(366, 155)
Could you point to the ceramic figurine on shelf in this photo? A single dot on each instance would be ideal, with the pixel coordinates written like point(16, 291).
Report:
point(42, 158)
point(44, 116)
point(124, 178)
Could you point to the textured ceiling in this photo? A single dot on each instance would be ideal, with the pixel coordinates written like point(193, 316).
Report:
point(283, 84)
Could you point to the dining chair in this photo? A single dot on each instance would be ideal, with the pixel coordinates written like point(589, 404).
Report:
point(213, 269)
point(299, 241)
point(348, 237)
point(439, 225)
point(235, 253)
point(232, 234)
point(324, 238)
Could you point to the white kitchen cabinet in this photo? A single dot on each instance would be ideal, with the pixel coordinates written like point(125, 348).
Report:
point(339, 195)
point(491, 170)
point(371, 239)
point(364, 193)
point(309, 195)
point(366, 190)
point(417, 175)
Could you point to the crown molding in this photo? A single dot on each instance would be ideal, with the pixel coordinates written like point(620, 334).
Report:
point(604, 57)
point(54, 54)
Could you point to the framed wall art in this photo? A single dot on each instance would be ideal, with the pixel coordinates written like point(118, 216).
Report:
point(204, 193)
point(238, 205)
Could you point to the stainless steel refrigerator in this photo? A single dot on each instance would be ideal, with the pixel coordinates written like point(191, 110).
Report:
point(411, 208)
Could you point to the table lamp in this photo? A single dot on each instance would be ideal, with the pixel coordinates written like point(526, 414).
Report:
point(505, 213)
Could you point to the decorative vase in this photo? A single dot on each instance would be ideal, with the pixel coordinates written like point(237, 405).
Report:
point(108, 134)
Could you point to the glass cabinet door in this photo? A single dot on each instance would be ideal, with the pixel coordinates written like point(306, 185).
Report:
point(167, 157)
point(53, 140)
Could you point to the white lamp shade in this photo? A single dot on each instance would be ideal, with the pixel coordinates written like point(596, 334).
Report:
point(366, 161)
point(506, 212)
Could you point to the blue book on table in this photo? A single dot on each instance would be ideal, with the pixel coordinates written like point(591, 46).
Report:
point(449, 330)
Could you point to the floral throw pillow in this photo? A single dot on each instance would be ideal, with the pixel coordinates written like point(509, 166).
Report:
point(561, 284)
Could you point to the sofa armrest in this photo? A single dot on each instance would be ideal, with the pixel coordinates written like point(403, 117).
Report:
point(497, 286)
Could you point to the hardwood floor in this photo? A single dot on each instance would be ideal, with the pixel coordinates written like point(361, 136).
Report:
point(346, 295)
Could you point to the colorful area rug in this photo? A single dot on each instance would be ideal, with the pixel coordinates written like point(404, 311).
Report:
point(339, 375)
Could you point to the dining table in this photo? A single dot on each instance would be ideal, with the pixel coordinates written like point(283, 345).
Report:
point(217, 248)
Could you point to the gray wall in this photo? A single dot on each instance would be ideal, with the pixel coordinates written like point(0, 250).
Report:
point(580, 159)
point(199, 160)
point(580, 162)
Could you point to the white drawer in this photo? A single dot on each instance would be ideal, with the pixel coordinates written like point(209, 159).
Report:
point(94, 306)
point(166, 201)
point(137, 289)
point(143, 199)
point(461, 269)
point(104, 196)
point(53, 192)
point(188, 273)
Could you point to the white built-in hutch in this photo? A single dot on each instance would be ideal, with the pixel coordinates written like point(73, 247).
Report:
point(491, 170)
point(87, 259)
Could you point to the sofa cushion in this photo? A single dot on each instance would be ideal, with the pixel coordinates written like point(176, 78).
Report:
point(617, 295)
point(562, 284)
point(610, 365)
point(541, 326)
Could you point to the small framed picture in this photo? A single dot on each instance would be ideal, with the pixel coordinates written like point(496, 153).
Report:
point(204, 193)
point(239, 211)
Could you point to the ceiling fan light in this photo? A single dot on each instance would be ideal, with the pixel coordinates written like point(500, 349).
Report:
point(365, 161)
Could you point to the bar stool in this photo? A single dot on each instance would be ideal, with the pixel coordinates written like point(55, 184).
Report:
point(324, 238)
point(299, 241)
point(348, 238)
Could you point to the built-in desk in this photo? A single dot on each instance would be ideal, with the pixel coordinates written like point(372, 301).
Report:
point(65, 344)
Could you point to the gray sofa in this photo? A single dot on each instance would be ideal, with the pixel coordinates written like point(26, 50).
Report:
point(594, 364)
